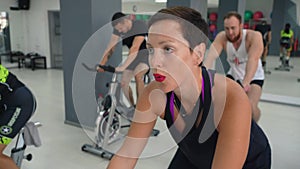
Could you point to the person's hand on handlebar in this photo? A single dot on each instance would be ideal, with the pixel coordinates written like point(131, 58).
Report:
point(99, 69)
point(120, 69)
point(104, 68)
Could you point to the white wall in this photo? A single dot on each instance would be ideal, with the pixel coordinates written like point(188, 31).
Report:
point(29, 28)
point(264, 6)
point(142, 7)
point(297, 2)
point(37, 26)
point(150, 7)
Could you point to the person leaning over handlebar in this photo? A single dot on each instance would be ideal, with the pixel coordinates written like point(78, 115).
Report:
point(132, 34)
point(207, 114)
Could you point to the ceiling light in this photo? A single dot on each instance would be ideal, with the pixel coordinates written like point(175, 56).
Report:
point(160, 1)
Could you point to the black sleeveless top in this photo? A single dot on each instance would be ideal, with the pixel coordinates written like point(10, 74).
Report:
point(9, 86)
point(198, 143)
point(200, 154)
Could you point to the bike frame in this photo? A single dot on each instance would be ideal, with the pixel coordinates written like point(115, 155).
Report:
point(115, 107)
point(17, 153)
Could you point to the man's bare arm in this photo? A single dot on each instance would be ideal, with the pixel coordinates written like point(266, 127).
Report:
point(109, 50)
point(214, 50)
point(254, 53)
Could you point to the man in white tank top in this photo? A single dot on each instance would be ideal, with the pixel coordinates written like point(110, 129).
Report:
point(243, 48)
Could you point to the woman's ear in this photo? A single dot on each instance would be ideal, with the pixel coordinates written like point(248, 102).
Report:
point(199, 52)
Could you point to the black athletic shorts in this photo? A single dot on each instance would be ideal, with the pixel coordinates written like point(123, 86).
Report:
point(257, 82)
point(142, 57)
point(18, 108)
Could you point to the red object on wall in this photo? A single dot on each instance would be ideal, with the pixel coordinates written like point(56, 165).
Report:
point(246, 26)
point(212, 27)
point(296, 45)
point(213, 16)
point(258, 15)
point(132, 16)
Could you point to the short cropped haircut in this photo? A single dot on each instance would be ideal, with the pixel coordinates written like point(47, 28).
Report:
point(117, 18)
point(233, 14)
point(193, 26)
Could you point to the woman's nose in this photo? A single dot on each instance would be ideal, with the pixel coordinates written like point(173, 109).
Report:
point(155, 58)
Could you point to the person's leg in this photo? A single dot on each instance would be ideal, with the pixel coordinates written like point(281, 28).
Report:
point(5, 161)
point(254, 96)
point(264, 56)
point(280, 51)
point(264, 59)
point(126, 78)
point(266, 51)
point(288, 54)
point(139, 74)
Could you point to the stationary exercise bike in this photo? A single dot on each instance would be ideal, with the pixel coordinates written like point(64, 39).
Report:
point(285, 44)
point(111, 109)
point(18, 151)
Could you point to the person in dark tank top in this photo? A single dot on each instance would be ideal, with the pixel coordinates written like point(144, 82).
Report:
point(133, 35)
point(207, 114)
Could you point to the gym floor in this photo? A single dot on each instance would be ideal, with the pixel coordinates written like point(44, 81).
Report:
point(61, 143)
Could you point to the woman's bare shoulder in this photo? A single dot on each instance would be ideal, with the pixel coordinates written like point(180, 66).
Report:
point(230, 98)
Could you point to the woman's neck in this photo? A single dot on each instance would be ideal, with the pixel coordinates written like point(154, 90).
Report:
point(189, 92)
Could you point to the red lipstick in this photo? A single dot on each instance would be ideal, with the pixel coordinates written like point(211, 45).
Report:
point(159, 77)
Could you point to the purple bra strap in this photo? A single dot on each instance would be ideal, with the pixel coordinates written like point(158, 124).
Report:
point(172, 105)
point(202, 92)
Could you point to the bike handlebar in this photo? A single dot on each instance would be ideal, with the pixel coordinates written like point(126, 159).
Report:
point(107, 68)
